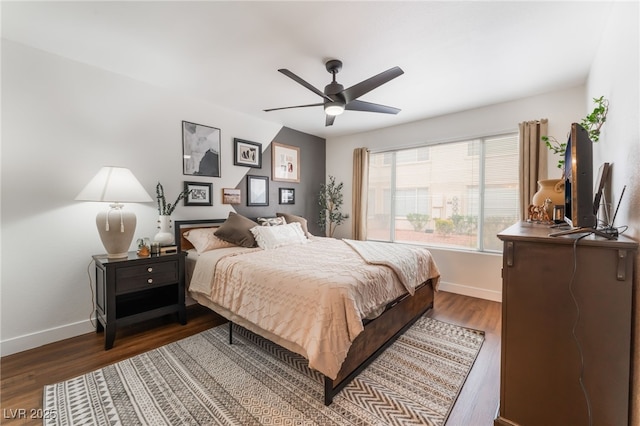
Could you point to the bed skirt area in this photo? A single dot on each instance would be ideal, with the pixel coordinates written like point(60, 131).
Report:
point(377, 335)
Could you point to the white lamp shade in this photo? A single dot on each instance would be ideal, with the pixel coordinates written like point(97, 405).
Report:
point(115, 185)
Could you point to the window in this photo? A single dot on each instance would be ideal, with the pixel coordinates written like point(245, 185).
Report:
point(456, 195)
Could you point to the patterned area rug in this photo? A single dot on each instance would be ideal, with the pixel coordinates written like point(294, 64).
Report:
point(202, 380)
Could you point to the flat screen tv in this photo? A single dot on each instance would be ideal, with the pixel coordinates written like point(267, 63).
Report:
point(581, 202)
point(578, 186)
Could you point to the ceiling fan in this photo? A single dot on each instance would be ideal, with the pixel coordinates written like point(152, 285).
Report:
point(337, 98)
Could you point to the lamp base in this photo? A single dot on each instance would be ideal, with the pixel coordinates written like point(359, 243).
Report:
point(116, 228)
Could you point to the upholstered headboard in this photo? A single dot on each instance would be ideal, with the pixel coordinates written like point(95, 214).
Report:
point(184, 225)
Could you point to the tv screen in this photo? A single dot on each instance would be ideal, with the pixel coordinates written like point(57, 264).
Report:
point(579, 209)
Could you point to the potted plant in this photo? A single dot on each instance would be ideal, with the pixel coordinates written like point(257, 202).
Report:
point(553, 189)
point(164, 236)
point(592, 123)
point(330, 201)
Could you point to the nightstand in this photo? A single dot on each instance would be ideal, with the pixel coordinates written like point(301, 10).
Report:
point(135, 289)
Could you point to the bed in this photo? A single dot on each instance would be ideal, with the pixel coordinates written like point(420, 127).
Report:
point(347, 301)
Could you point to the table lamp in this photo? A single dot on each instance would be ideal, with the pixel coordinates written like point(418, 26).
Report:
point(116, 226)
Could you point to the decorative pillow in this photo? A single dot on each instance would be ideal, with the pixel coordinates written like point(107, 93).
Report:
point(237, 230)
point(291, 218)
point(203, 239)
point(272, 221)
point(270, 237)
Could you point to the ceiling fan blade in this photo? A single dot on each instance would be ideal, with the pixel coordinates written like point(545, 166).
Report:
point(357, 90)
point(370, 107)
point(329, 120)
point(297, 106)
point(304, 83)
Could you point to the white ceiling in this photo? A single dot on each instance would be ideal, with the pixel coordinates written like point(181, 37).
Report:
point(455, 55)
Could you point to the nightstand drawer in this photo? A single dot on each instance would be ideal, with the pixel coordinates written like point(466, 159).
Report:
point(132, 278)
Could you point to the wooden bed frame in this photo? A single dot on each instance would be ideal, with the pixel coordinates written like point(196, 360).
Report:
point(378, 333)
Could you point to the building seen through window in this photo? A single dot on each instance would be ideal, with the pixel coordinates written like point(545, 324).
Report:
point(456, 195)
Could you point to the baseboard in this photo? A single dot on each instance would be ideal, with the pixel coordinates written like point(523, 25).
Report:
point(44, 337)
point(465, 290)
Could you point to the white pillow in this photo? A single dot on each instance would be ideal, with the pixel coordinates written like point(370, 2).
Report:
point(291, 218)
point(270, 237)
point(203, 239)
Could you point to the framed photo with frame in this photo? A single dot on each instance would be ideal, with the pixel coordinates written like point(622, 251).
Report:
point(199, 194)
point(200, 150)
point(246, 153)
point(257, 190)
point(285, 162)
point(287, 195)
point(231, 196)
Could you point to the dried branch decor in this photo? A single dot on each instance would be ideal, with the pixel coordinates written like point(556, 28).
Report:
point(164, 208)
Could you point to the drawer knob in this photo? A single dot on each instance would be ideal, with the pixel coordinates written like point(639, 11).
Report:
point(149, 269)
point(150, 280)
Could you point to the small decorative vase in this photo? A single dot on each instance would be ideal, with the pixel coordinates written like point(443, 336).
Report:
point(552, 189)
point(165, 236)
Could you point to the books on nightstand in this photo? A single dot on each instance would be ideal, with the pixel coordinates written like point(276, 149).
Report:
point(168, 249)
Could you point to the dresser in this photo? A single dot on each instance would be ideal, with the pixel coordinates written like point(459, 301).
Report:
point(566, 328)
point(135, 289)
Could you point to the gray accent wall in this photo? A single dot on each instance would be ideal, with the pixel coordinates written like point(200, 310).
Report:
point(312, 174)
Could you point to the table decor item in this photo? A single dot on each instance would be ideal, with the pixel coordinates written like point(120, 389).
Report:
point(165, 236)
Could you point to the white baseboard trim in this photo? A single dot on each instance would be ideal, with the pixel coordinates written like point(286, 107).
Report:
point(44, 337)
point(465, 290)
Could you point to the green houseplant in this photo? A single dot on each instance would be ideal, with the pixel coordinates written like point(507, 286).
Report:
point(592, 123)
point(330, 201)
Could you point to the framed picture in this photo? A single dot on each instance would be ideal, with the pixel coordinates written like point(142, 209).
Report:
point(199, 194)
point(285, 162)
point(231, 196)
point(248, 154)
point(257, 190)
point(200, 150)
point(287, 195)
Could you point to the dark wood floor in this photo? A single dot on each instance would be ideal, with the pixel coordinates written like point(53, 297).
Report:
point(24, 375)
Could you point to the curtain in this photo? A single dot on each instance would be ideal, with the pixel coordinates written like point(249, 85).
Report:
point(533, 160)
point(360, 190)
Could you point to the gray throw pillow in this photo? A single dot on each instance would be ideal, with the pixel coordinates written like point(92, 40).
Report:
point(237, 230)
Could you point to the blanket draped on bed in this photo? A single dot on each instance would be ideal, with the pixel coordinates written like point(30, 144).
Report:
point(408, 262)
point(313, 295)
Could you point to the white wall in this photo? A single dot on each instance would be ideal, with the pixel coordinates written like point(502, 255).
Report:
point(615, 73)
point(62, 121)
point(470, 273)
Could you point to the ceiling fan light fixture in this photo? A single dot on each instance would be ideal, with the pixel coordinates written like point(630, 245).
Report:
point(333, 108)
point(336, 98)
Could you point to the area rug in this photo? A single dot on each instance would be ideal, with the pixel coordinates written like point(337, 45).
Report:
point(202, 380)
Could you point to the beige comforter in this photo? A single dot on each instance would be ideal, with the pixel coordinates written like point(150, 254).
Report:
point(313, 295)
